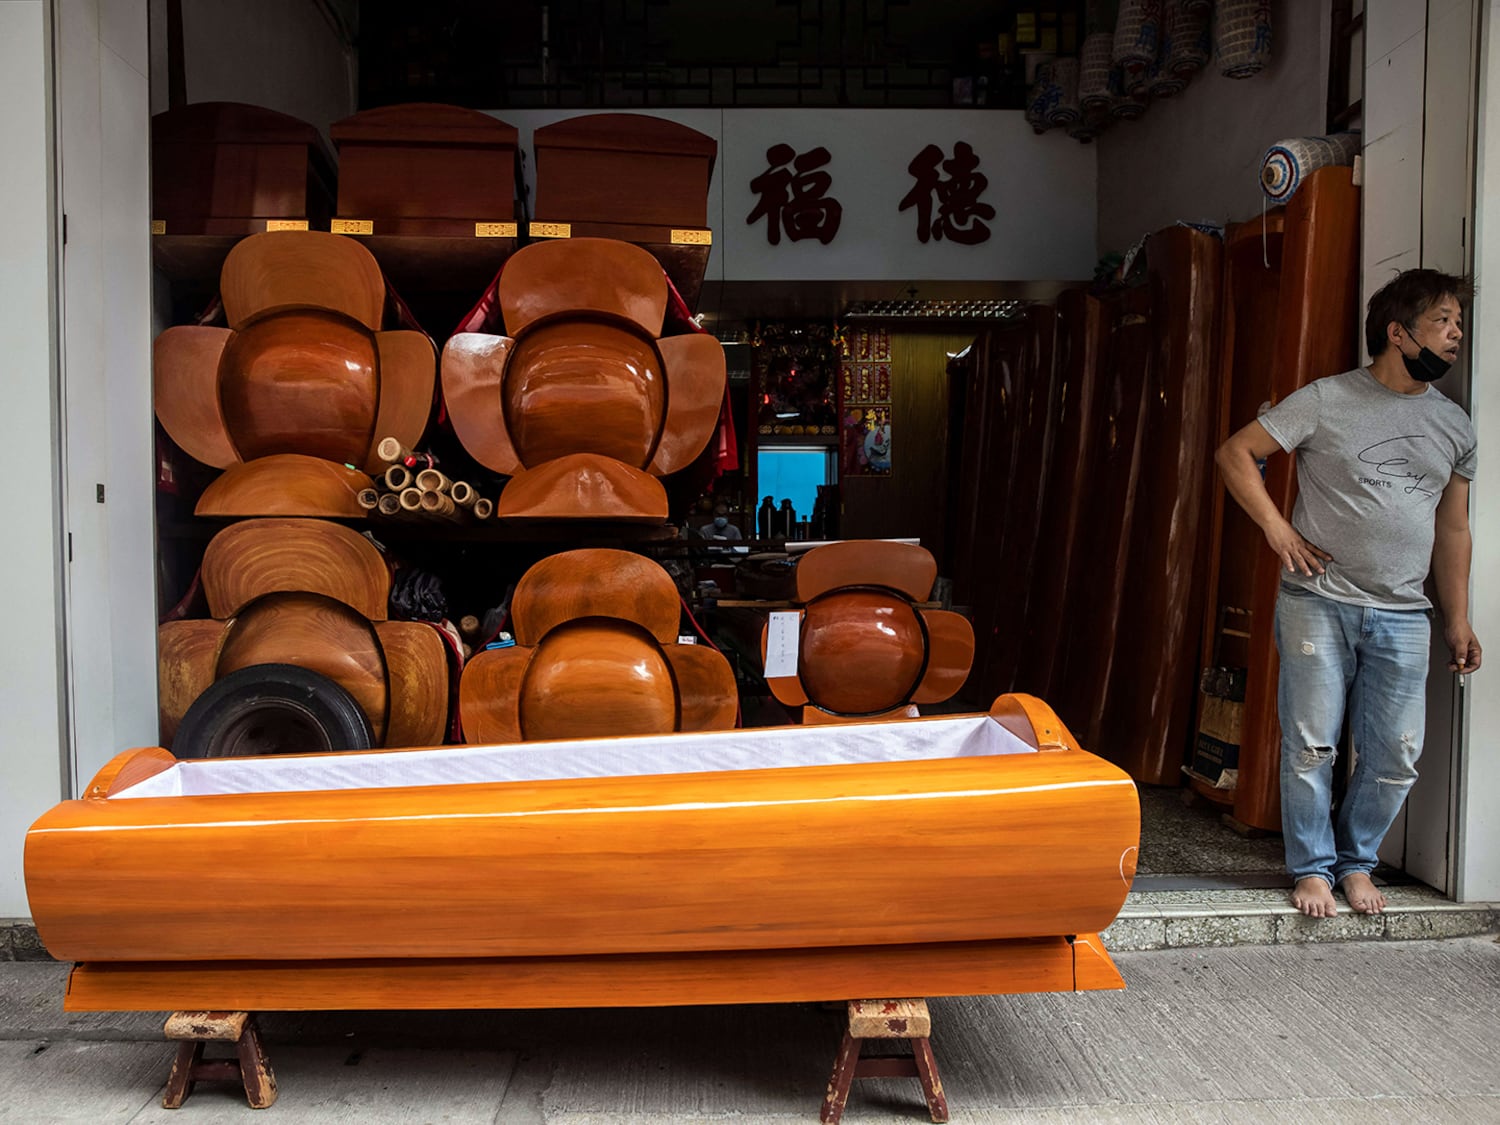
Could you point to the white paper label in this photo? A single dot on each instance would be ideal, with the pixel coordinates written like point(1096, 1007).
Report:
point(781, 643)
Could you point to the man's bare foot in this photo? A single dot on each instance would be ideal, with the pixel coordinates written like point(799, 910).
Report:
point(1364, 897)
point(1314, 897)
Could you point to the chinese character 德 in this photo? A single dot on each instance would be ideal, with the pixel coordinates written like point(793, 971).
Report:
point(796, 199)
point(959, 211)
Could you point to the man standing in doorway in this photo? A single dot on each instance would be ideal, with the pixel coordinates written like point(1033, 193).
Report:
point(1384, 463)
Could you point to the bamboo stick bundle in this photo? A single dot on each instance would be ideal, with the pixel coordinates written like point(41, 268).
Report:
point(411, 500)
point(392, 452)
point(397, 478)
point(390, 505)
point(483, 509)
point(369, 499)
point(439, 504)
point(463, 494)
point(430, 480)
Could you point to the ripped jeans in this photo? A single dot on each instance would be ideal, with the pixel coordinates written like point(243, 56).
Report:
point(1376, 660)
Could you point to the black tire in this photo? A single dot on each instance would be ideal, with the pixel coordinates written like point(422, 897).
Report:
point(272, 709)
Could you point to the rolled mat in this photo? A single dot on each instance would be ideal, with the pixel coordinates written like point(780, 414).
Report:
point(1287, 163)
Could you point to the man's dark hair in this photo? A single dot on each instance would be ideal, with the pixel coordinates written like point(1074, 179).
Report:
point(1408, 296)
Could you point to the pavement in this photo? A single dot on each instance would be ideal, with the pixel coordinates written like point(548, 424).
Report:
point(1368, 1032)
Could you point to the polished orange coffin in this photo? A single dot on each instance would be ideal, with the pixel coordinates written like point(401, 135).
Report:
point(685, 856)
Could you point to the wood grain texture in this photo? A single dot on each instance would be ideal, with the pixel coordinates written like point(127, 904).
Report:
point(904, 567)
point(416, 672)
point(580, 276)
point(1319, 287)
point(301, 269)
point(597, 678)
point(735, 860)
point(408, 375)
point(861, 651)
point(286, 484)
point(1081, 342)
point(595, 582)
point(707, 698)
point(269, 556)
point(583, 486)
point(950, 652)
point(623, 168)
point(315, 633)
point(695, 377)
point(489, 695)
point(301, 382)
point(816, 716)
point(767, 976)
point(1032, 721)
point(1093, 968)
point(187, 653)
point(1150, 702)
point(185, 391)
point(473, 372)
point(126, 769)
point(580, 385)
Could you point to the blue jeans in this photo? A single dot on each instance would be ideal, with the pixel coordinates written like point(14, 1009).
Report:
point(1375, 660)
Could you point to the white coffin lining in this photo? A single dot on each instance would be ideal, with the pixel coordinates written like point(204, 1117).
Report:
point(764, 748)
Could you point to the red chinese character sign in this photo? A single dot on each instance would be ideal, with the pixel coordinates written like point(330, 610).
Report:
point(955, 186)
point(865, 403)
point(796, 198)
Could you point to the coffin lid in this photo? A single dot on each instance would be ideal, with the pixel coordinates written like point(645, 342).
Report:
point(234, 123)
point(627, 132)
point(428, 124)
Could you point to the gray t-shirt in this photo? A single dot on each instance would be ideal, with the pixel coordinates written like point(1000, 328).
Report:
point(1371, 466)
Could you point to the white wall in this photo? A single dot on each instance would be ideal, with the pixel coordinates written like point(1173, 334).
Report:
point(1197, 156)
point(285, 55)
point(1478, 869)
point(31, 683)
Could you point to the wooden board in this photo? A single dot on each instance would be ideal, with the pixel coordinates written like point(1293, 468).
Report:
point(302, 269)
point(185, 391)
point(286, 484)
point(695, 372)
point(583, 486)
point(408, 376)
point(416, 670)
point(595, 582)
point(904, 567)
point(489, 695)
point(779, 976)
point(950, 652)
point(707, 697)
point(583, 276)
point(473, 370)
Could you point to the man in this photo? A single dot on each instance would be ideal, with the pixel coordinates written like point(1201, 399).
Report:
point(1384, 463)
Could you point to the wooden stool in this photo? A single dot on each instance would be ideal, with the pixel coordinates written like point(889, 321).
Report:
point(885, 1019)
point(196, 1029)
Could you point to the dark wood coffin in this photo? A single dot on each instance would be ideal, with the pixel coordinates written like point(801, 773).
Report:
point(222, 168)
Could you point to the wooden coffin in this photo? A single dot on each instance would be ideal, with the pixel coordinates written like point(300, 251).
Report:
point(937, 856)
point(633, 177)
point(222, 168)
point(1154, 677)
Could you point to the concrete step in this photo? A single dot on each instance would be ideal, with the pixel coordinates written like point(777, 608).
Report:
point(1221, 916)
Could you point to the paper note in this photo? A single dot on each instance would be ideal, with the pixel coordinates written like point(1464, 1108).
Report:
point(781, 643)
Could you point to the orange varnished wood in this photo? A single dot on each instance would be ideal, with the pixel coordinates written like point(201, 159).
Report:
point(473, 373)
point(1319, 287)
point(408, 373)
point(584, 386)
point(707, 698)
point(185, 390)
point(816, 716)
point(695, 372)
point(950, 651)
point(1093, 968)
point(416, 670)
point(316, 633)
point(269, 556)
point(580, 276)
point(1032, 721)
point(187, 652)
point(301, 382)
point(741, 860)
point(279, 270)
point(126, 769)
point(861, 651)
point(286, 484)
point(595, 582)
point(489, 695)
point(1150, 701)
point(596, 678)
point(765, 976)
point(583, 486)
point(904, 567)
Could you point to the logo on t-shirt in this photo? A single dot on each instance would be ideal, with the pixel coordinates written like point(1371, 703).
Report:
point(1392, 465)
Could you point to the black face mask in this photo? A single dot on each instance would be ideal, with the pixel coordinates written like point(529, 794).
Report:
point(1426, 366)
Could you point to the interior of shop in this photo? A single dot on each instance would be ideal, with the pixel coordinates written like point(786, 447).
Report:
point(1143, 217)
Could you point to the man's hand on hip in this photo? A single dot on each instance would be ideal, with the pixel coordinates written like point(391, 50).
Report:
point(1295, 552)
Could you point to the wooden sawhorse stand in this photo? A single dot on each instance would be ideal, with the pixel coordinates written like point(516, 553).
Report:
point(249, 1066)
point(885, 1019)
